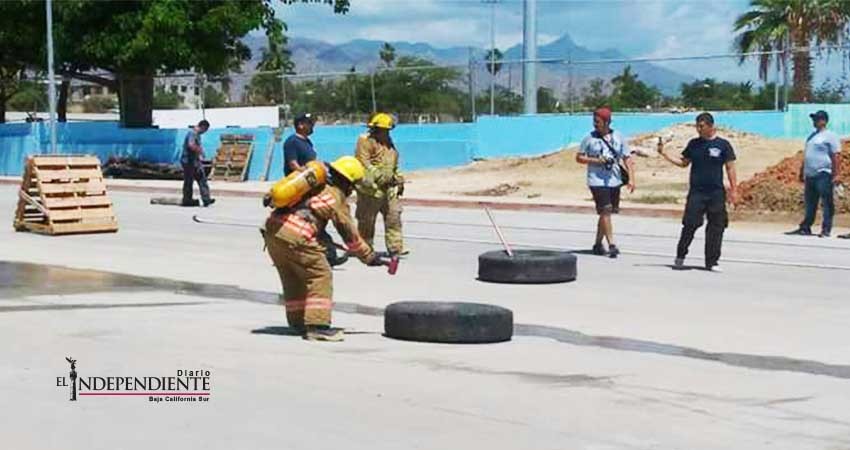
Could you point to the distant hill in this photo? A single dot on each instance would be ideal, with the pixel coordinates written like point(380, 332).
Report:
point(312, 56)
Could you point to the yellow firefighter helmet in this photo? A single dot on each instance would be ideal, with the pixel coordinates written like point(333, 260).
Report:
point(382, 120)
point(349, 167)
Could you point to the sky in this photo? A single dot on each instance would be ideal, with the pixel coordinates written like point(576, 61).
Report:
point(637, 28)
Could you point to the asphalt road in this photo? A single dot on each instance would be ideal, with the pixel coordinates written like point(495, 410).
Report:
point(632, 355)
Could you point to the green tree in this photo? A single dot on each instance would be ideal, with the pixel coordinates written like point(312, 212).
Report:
point(830, 92)
point(30, 96)
point(491, 61)
point(546, 101)
point(22, 27)
point(165, 99)
point(593, 96)
point(135, 40)
point(629, 92)
point(507, 102)
point(387, 54)
point(791, 25)
point(765, 98)
point(416, 86)
point(266, 87)
point(213, 98)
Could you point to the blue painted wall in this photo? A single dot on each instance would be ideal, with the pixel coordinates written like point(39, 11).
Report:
point(422, 146)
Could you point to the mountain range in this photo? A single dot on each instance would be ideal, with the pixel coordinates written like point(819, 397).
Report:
point(312, 56)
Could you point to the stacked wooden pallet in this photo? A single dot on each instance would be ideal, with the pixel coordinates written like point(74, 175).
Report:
point(232, 158)
point(64, 195)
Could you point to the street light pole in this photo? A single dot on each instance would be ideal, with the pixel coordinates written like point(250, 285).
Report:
point(529, 54)
point(51, 86)
point(492, 55)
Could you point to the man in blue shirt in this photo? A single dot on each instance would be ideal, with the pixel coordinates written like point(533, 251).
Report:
point(298, 149)
point(707, 156)
point(193, 170)
point(602, 152)
point(820, 173)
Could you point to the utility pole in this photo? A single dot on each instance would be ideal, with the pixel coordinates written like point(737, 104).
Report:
point(374, 102)
point(471, 86)
point(785, 71)
point(492, 55)
point(529, 54)
point(51, 86)
point(776, 86)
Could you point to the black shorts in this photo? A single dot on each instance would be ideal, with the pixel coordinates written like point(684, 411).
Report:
point(607, 199)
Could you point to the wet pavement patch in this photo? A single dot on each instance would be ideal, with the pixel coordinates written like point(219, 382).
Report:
point(73, 306)
point(18, 280)
point(760, 362)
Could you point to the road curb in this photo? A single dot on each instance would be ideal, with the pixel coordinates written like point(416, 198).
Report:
point(412, 202)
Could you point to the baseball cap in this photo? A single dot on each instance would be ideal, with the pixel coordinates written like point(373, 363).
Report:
point(303, 117)
point(604, 113)
point(820, 115)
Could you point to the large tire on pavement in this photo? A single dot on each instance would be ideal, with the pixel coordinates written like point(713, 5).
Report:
point(527, 266)
point(448, 322)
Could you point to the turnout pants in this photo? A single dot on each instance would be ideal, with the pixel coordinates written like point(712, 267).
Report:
point(713, 206)
point(306, 278)
point(192, 173)
point(819, 188)
point(390, 209)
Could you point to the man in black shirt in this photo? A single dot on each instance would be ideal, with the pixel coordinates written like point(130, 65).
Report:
point(707, 155)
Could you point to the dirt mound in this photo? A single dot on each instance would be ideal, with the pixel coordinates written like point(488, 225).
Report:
point(558, 177)
point(778, 188)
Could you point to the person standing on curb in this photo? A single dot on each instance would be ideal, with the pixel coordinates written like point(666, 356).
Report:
point(298, 150)
point(193, 169)
point(602, 152)
point(380, 190)
point(707, 155)
point(820, 173)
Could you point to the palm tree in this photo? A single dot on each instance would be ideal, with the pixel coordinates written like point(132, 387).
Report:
point(387, 54)
point(792, 26)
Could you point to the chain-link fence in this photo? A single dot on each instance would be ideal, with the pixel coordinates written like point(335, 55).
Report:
point(419, 91)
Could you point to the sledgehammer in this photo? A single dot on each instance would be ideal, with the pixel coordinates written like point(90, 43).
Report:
point(499, 232)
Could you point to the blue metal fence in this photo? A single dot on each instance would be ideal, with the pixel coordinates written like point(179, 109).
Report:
point(421, 146)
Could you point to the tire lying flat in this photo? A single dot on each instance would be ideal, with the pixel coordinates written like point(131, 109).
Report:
point(172, 201)
point(448, 322)
point(527, 266)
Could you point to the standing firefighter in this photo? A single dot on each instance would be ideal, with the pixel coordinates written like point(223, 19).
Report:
point(304, 203)
point(382, 185)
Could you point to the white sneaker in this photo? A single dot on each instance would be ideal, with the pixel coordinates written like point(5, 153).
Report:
point(679, 264)
point(716, 268)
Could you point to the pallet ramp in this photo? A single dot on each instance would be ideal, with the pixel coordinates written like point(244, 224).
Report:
point(232, 158)
point(64, 194)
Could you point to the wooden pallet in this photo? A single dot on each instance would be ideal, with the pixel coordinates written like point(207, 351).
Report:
point(64, 195)
point(232, 158)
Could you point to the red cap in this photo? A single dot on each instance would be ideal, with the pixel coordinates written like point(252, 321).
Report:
point(604, 113)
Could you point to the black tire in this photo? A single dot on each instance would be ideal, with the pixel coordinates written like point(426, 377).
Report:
point(448, 322)
point(527, 266)
point(172, 201)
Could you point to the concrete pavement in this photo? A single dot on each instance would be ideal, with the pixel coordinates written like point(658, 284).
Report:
point(632, 355)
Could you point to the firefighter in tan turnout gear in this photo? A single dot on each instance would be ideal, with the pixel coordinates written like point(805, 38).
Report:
point(382, 185)
point(304, 203)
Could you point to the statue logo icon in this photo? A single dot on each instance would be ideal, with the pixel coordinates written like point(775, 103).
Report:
point(73, 378)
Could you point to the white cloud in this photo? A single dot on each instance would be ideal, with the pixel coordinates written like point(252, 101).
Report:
point(640, 28)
